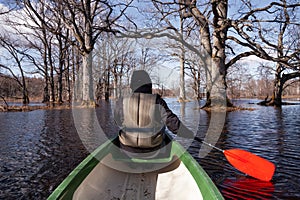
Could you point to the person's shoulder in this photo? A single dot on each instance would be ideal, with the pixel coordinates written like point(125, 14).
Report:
point(159, 99)
point(158, 96)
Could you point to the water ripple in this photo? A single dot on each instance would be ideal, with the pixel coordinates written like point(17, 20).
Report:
point(38, 149)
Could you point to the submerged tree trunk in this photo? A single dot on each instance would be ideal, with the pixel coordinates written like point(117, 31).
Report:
point(87, 58)
point(214, 57)
point(285, 59)
point(24, 90)
point(278, 87)
point(218, 95)
point(280, 82)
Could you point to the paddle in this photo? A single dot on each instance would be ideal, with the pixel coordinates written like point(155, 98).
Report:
point(247, 162)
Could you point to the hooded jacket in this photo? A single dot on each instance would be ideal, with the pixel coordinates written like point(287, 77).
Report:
point(143, 116)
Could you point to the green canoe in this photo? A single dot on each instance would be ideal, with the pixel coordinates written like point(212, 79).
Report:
point(108, 173)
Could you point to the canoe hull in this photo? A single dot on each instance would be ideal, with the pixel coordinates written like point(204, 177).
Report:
point(102, 176)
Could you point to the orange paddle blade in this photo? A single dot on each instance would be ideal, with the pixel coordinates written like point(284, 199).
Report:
point(250, 164)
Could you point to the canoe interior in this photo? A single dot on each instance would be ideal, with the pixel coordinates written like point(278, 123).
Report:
point(176, 176)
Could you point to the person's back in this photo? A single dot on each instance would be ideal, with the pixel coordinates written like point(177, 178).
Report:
point(143, 116)
point(142, 126)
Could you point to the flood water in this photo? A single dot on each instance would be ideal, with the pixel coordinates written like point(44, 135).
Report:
point(38, 149)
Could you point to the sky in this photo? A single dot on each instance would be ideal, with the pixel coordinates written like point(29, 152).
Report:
point(167, 73)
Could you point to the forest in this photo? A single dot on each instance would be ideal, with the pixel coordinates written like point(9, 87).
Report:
point(85, 50)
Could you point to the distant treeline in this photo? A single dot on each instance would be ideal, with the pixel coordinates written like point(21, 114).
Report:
point(11, 91)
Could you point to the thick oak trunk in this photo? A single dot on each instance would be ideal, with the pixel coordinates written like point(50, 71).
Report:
point(218, 97)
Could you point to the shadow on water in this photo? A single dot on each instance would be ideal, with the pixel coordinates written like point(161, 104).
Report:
point(39, 149)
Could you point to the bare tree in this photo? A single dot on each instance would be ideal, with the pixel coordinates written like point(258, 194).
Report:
point(39, 39)
point(86, 20)
point(194, 69)
point(214, 24)
point(257, 29)
point(15, 57)
point(286, 51)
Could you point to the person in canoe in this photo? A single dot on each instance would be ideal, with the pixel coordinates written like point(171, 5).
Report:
point(143, 117)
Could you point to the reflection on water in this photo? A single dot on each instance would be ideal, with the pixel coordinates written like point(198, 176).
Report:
point(246, 188)
point(38, 149)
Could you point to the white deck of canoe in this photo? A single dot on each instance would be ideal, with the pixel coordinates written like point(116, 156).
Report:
point(171, 182)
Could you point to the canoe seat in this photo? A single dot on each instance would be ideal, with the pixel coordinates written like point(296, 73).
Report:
point(161, 155)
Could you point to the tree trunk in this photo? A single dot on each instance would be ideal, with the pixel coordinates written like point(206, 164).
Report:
point(115, 79)
point(107, 80)
point(115, 86)
point(60, 88)
point(60, 77)
point(278, 86)
point(68, 76)
point(78, 82)
point(46, 96)
point(76, 76)
point(182, 96)
point(87, 59)
point(205, 41)
point(120, 80)
point(218, 71)
point(51, 78)
point(61, 62)
point(281, 79)
point(23, 83)
point(24, 90)
point(87, 80)
point(99, 90)
point(198, 81)
point(52, 87)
